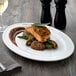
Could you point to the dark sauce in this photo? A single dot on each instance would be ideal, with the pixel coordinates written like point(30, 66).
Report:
point(14, 32)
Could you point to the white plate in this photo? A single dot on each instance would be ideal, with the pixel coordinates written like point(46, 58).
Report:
point(64, 50)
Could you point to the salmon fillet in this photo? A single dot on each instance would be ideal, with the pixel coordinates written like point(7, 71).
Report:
point(41, 33)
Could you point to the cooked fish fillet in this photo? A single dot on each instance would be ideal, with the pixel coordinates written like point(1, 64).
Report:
point(41, 33)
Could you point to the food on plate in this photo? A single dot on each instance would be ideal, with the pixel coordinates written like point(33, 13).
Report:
point(41, 33)
point(28, 43)
point(38, 38)
point(37, 45)
point(50, 44)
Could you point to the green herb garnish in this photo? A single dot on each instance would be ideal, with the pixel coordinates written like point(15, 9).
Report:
point(40, 24)
point(48, 45)
point(31, 40)
point(28, 33)
point(23, 37)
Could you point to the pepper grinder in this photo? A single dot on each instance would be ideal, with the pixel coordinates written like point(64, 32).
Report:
point(60, 17)
point(46, 14)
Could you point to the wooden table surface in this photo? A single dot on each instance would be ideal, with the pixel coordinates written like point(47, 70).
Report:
point(29, 11)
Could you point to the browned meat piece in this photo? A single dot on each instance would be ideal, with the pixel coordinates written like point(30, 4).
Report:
point(28, 43)
point(54, 44)
point(37, 45)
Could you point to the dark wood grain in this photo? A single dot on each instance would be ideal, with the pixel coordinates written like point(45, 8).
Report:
point(29, 11)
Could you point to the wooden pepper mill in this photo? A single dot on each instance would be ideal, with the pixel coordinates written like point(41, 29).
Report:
point(46, 14)
point(60, 17)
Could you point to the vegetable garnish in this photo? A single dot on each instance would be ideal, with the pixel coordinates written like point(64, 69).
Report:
point(26, 38)
point(40, 24)
point(23, 37)
point(48, 45)
point(31, 40)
